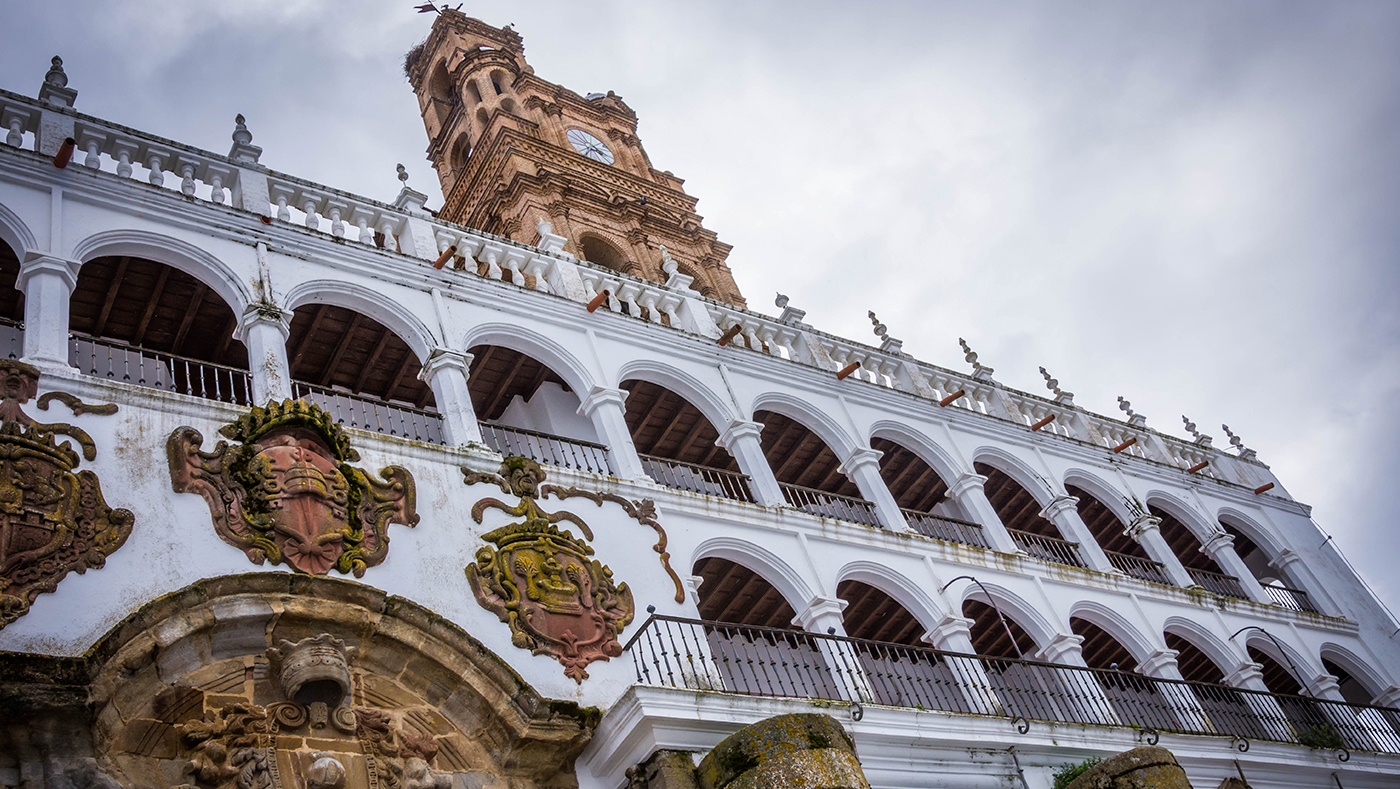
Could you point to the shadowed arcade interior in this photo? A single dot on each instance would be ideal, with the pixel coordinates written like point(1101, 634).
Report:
point(874, 615)
point(731, 592)
point(989, 636)
point(1015, 506)
point(665, 425)
point(341, 349)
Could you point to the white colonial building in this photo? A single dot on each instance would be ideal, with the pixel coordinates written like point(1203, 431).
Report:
point(980, 584)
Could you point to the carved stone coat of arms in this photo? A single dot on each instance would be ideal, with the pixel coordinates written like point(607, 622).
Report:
point(53, 519)
point(288, 493)
point(542, 582)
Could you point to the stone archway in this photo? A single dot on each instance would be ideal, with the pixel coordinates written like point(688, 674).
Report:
point(282, 681)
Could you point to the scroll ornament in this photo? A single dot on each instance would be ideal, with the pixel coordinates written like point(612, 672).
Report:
point(541, 581)
point(53, 520)
point(287, 492)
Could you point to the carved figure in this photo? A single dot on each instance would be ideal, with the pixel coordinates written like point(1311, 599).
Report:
point(53, 520)
point(541, 581)
point(289, 494)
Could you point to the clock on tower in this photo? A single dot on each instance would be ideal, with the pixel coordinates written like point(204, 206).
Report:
point(511, 148)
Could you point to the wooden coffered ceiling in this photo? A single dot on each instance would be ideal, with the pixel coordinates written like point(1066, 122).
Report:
point(340, 348)
point(666, 425)
point(498, 375)
point(731, 592)
point(799, 457)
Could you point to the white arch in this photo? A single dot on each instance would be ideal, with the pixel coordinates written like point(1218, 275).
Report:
point(1200, 528)
point(1015, 608)
point(904, 591)
point(16, 233)
point(538, 347)
point(1017, 470)
point(1286, 656)
point(937, 458)
point(1123, 508)
point(1267, 542)
point(809, 416)
point(1371, 680)
point(1116, 625)
point(763, 562)
point(351, 296)
point(714, 408)
point(1226, 657)
point(182, 255)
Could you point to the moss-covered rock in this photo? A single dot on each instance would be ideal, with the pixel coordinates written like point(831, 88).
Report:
point(1140, 768)
point(807, 751)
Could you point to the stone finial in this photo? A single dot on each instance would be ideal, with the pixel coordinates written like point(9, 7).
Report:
point(1245, 452)
point(403, 174)
point(243, 149)
point(979, 371)
point(791, 315)
point(55, 91)
point(56, 77)
point(1053, 384)
point(881, 330)
point(1135, 419)
point(544, 227)
point(668, 263)
point(1201, 438)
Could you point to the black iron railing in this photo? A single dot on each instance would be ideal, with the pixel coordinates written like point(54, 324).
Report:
point(11, 338)
point(1295, 599)
point(831, 505)
point(696, 478)
point(1138, 567)
point(545, 448)
point(697, 655)
point(1049, 549)
point(155, 370)
point(948, 529)
point(1221, 584)
point(373, 414)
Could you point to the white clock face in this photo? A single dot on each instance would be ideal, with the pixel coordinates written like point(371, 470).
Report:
point(589, 146)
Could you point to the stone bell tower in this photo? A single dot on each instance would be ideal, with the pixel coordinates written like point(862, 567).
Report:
point(511, 149)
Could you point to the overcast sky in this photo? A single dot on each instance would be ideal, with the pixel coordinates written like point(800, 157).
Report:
point(1193, 205)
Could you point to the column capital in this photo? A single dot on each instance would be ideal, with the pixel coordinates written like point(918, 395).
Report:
point(1390, 697)
point(444, 359)
point(861, 456)
point(40, 263)
point(822, 610)
point(263, 312)
point(1284, 559)
point(738, 429)
point(1158, 662)
point(1248, 673)
point(1325, 686)
point(950, 627)
point(1143, 524)
point(1060, 505)
point(600, 396)
point(1062, 645)
point(1218, 542)
point(967, 482)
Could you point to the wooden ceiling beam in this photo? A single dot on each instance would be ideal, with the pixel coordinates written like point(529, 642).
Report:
point(304, 343)
point(101, 324)
point(328, 372)
point(188, 320)
point(379, 346)
point(503, 386)
point(690, 437)
point(408, 359)
point(151, 307)
point(227, 339)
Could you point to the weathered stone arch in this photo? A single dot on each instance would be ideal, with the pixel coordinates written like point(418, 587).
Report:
point(833, 435)
point(903, 590)
point(1123, 508)
point(182, 255)
point(1015, 468)
point(1202, 529)
point(714, 407)
point(1138, 644)
point(938, 458)
point(537, 346)
point(766, 564)
point(1370, 678)
point(391, 314)
point(1012, 605)
point(1225, 656)
point(1251, 528)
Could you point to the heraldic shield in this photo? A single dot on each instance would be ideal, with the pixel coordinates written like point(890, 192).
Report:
point(541, 581)
point(289, 494)
point(53, 519)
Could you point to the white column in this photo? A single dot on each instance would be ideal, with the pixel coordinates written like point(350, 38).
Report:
point(742, 440)
point(47, 283)
point(954, 634)
point(823, 617)
point(1147, 530)
point(862, 467)
point(1296, 573)
point(1079, 690)
point(605, 408)
point(1250, 676)
point(1184, 704)
point(263, 330)
point(446, 372)
point(971, 495)
point(1221, 548)
point(1064, 513)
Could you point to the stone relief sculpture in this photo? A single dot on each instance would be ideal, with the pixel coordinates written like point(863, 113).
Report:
point(53, 519)
point(541, 581)
point(287, 492)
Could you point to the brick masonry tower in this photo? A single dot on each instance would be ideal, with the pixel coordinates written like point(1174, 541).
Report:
point(511, 149)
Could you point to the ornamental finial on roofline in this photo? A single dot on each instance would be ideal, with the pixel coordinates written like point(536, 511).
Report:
point(1245, 452)
point(1201, 438)
point(1053, 384)
point(979, 371)
point(1134, 418)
